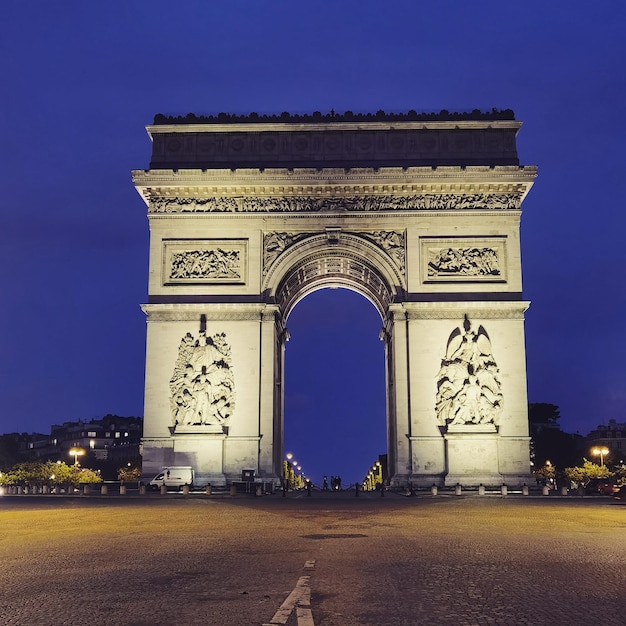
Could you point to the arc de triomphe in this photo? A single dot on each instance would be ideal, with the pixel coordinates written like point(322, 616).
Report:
point(419, 213)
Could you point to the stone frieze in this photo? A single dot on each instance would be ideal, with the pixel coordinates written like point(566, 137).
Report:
point(312, 204)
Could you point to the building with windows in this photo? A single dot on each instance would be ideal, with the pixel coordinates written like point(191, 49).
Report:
point(110, 438)
point(611, 436)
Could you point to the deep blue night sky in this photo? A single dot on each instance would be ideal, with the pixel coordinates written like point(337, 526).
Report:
point(80, 81)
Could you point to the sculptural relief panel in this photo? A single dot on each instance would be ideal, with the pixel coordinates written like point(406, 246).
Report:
point(205, 261)
point(465, 259)
point(468, 386)
point(202, 385)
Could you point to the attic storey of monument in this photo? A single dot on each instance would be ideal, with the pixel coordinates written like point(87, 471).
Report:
point(421, 216)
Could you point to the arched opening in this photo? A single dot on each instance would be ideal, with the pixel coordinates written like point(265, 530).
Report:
point(335, 396)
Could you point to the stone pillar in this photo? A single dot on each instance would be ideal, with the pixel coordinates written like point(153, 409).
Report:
point(399, 400)
point(270, 388)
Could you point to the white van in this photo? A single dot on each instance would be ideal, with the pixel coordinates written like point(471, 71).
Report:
point(172, 478)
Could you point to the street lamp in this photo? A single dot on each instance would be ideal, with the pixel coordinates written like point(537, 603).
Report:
point(76, 452)
point(601, 452)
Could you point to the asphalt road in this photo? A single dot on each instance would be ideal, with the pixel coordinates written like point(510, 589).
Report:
point(328, 560)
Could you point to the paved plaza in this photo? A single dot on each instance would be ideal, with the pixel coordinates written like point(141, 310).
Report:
point(328, 560)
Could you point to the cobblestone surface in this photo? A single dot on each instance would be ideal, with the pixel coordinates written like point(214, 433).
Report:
point(393, 561)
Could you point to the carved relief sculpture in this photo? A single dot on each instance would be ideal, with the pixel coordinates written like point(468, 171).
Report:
point(468, 389)
point(202, 385)
point(307, 204)
point(392, 242)
point(463, 262)
point(208, 264)
point(274, 244)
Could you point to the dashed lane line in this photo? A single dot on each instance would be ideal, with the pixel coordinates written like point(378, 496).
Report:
point(299, 600)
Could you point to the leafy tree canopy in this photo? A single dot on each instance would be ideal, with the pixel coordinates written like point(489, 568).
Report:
point(583, 474)
point(543, 413)
point(38, 473)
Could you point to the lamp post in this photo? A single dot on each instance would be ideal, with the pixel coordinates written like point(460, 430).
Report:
point(76, 452)
point(601, 452)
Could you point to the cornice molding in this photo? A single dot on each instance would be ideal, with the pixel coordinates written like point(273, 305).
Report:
point(311, 126)
point(211, 312)
point(455, 310)
point(327, 175)
point(240, 185)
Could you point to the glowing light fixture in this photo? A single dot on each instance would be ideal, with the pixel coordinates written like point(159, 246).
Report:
point(601, 452)
point(76, 452)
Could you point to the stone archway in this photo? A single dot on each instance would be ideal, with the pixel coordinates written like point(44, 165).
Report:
point(420, 216)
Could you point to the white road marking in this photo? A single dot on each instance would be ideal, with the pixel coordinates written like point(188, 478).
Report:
point(300, 600)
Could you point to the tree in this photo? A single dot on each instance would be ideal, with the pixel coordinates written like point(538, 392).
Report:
point(129, 474)
point(583, 474)
point(10, 453)
point(86, 476)
point(543, 413)
point(561, 449)
point(37, 474)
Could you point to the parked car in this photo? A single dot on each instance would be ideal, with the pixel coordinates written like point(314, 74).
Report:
point(620, 494)
point(603, 486)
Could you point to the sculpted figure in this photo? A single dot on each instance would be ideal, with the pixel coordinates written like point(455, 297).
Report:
point(202, 385)
point(468, 389)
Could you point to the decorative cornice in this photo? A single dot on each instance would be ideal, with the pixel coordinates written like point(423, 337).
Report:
point(453, 310)
point(211, 312)
point(241, 184)
point(327, 176)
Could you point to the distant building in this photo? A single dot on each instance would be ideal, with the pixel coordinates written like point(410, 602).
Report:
point(611, 436)
point(111, 438)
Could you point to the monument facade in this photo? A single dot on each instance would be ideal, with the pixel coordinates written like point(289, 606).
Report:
point(418, 213)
